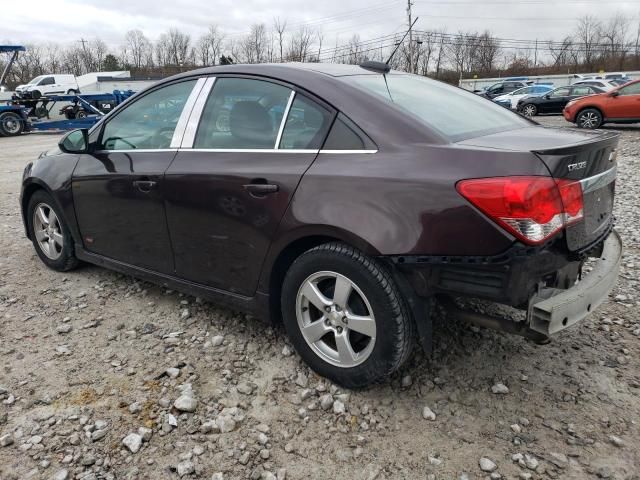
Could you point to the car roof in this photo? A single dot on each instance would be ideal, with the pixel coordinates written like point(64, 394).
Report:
point(331, 69)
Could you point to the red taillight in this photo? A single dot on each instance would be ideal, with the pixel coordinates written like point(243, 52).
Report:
point(531, 208)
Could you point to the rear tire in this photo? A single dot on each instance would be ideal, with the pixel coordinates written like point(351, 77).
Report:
point(362, 330)
point(529, 110)
point(71, 91)
point(589, 118)
point(49, 233)
point(11, 124)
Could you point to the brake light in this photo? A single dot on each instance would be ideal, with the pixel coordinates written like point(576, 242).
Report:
point(531, 208)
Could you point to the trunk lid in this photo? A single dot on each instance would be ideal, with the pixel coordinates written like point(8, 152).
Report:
point(586, 156)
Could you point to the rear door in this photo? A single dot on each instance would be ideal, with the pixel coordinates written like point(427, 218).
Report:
point(626, 105)
point(248, 143)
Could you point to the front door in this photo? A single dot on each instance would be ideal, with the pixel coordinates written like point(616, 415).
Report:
point(556, 101)
point(227, 191)
point(626, 104)
point(118, 190)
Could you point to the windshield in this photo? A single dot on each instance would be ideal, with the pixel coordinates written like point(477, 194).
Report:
point(36, 80)
point(453, 112)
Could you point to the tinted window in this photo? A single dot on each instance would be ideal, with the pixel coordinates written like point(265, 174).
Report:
point(148, 122)
point(454, 112)
point(581, 91)
point(560, 92)
point(47, 81)
point(306, 125)
point(345, 135)
point(633, 89)
point(242, 113)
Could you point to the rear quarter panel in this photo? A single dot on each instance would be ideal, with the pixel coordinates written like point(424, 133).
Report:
point(403, 201)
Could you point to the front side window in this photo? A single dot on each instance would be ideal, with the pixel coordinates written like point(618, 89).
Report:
point(242, 113)
point(47, 81)
point(560, 92)
point(35, 80)
point(453, 112)
point(149, 122)
point(306, 125)
point(633, 89)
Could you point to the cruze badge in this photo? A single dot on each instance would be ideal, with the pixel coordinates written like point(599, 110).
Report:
point(576, 166)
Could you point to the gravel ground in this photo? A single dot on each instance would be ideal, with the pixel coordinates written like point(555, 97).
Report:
point(107, 377)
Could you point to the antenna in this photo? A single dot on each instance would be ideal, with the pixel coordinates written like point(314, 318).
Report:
point(401, 41)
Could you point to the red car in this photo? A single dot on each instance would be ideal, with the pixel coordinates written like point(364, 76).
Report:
point(621, 105)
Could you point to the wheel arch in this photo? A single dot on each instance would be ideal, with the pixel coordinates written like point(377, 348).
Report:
point(592, 107)
point(28, 191)
point(285, 251)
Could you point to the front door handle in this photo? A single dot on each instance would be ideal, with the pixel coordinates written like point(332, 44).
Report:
point(144, 186)
point(261, 189)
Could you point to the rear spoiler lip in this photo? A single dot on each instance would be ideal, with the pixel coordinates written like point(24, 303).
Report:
point(608, 138)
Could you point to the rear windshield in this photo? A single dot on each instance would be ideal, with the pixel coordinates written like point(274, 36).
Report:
point(453, 112)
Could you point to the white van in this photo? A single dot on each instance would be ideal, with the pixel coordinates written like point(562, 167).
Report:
point(49, 85)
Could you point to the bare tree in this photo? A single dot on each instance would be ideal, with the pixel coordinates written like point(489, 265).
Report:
point(560, 51)
point(253, 47)
point(178, 47)
point(614, 34)
point(280, 28)
point(137, 47)
point(299, 44)
point(210, 45)
point(588, 34)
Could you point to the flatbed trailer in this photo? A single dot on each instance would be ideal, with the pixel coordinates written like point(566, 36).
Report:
point(81, 111)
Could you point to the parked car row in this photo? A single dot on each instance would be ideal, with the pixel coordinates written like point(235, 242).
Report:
point(589, 102)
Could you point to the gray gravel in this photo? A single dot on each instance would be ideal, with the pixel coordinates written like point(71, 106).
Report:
point(108, 377)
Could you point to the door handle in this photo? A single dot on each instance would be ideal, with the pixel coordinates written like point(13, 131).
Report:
point(144, 185)
point(260, 189)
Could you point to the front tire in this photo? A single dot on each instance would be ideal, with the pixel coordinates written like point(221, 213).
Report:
point(345, 315)
point(589, 118)
point(529, 110)
point(49, 233)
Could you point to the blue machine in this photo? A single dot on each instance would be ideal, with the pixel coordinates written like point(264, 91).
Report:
point(82, 111)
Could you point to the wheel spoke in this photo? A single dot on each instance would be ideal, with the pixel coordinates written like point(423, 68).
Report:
point(311, 293)
point(53, 220)
point(57, 237)
point(342, 291)
point(42, 216)
point(52, 246)
point(345, 352)
point(40, 236)
point(315, 331)
point(362, 324)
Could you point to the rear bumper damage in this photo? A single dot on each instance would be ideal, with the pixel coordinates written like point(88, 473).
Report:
point(552, 310)
point(541, 282)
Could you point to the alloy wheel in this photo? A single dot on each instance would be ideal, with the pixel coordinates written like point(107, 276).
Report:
point(336, 319)
point(589, 120)
point(48, 231)
point(529, 110)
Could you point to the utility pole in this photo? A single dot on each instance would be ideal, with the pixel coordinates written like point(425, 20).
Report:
point(83, 42)
point(409, 4)
point(535, 56)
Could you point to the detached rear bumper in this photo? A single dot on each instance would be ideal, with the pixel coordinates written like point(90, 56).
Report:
point(553, 310)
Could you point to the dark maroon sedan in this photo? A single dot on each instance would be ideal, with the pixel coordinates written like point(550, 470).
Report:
point(342, 199)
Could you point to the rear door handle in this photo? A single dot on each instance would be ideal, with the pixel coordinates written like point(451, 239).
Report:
point(144, 185)
point(259, 189)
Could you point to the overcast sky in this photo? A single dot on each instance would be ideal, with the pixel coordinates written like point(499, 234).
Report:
point(66, 21)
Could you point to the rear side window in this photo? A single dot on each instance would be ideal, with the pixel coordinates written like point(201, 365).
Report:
point(345, 135)
point(242, 113)
point(581, 91)
point(306, 126)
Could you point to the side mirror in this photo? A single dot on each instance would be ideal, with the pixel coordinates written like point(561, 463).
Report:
point(76, 141)
point(615, 93)
point(547, 96)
